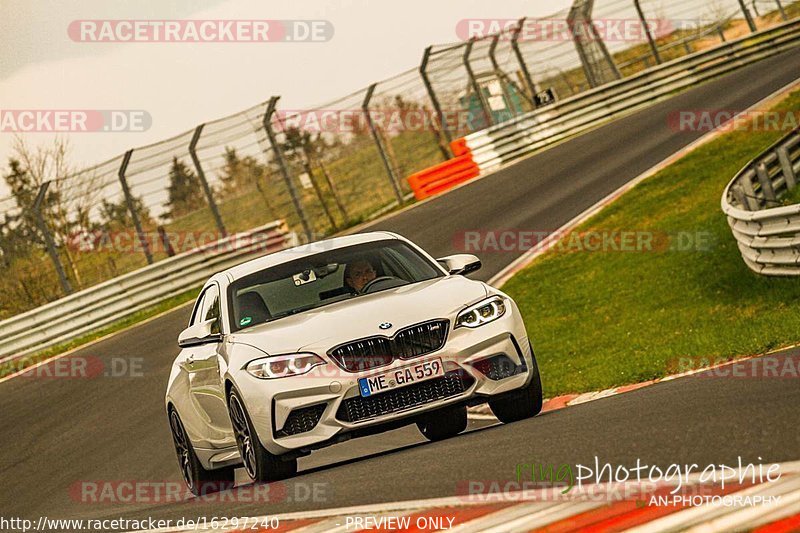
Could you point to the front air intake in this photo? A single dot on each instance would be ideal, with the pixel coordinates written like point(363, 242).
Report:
point(378, 351)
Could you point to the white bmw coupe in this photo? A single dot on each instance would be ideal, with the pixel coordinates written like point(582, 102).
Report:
point(341, 338)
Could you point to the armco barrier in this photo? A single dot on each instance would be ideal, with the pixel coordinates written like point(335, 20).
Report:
point(533, 131)
point(93, 308)
point(446, 175)
point(479, 152)
point(768, 236)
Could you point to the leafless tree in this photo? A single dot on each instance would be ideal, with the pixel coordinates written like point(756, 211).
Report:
point(73, 194)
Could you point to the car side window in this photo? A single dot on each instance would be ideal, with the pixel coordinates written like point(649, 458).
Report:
point(207, 308)
point(211, 308)
point(198, 310)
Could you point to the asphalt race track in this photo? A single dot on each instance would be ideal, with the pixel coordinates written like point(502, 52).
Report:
point(58, 433)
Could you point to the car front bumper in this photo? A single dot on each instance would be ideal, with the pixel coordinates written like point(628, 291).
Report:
point(317, 409)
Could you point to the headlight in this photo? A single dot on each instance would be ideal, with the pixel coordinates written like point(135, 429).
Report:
point(281, 366)
point(481, 313)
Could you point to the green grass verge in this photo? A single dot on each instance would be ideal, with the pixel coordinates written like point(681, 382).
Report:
point(28, 360)
point(557, 319)
point(792, 197)
point(602, 319)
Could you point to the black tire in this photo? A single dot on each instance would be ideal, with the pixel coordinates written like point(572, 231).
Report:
point(443, 423)
point(198, 480)
point(261, 465)
point(522, 403)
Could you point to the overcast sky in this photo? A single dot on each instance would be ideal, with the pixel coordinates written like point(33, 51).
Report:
point(183, 84)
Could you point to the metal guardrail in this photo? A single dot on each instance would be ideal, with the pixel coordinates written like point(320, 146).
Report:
point(93, 308)
point(525, 134)
point(685, 43)
point(103, 304)
point(768, 237)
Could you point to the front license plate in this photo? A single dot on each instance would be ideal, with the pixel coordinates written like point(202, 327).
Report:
point(400, 377)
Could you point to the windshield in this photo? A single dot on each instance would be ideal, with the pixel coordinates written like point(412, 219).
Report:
point(325, 278)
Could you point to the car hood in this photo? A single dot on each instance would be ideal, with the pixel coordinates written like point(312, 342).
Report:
point(330, 325)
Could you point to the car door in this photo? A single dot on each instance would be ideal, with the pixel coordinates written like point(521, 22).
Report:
point(201, 364)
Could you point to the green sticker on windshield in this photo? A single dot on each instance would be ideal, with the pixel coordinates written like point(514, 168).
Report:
point(245, 320)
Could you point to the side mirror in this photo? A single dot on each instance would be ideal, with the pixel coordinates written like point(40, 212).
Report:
point(462, 264)
point(201, 333)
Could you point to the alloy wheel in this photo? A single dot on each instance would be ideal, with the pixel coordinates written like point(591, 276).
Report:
point(181, 448)
point(243, 438)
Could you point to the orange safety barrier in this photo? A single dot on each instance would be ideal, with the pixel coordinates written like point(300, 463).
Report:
point(446, 175)
point(459, 147)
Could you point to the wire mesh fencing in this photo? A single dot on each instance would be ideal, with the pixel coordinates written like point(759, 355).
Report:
point(330, 166)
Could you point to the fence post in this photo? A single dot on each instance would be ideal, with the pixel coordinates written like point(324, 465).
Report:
point(474, 82)
point(783, 11)
point(748, 17)
point(609, 59)
point(298, 205)
point(766, 183)
point(434, 100)
point(381, 150)
point(591, 49)
point(740, 196)
point(526, 74)
point(500, 75)
point(137, 223)
point(747, 186)
point(162, 235)
point(647, 32)
point(787, 168)
point(587, 67)
point(204, 182)
point(48, 238)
